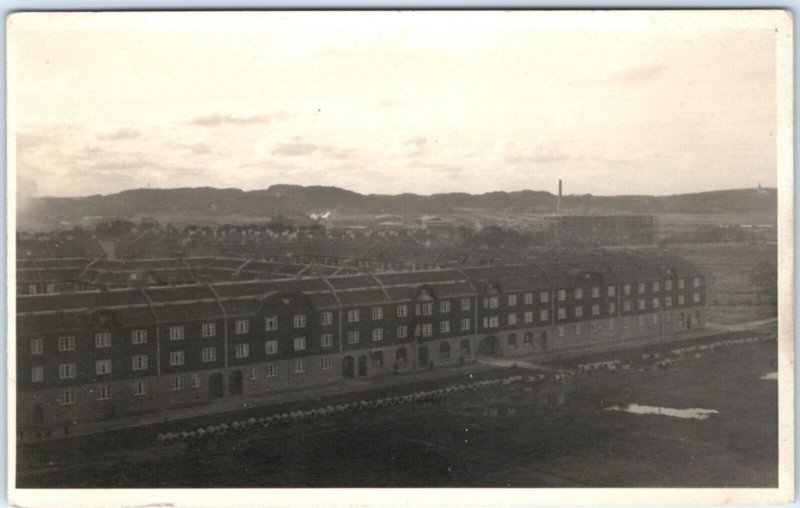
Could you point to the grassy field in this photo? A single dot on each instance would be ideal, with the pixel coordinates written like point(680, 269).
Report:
point(470, 440)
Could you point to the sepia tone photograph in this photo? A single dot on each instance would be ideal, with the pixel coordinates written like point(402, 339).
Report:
point(428, 250)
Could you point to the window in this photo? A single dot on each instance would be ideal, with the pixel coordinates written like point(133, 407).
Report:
point(491, 322)
point(377, 313)
point(352, 316)
point(139, 388)
point(667, 285)
point(641, 287)
point(696, 282)
point(138, 336)
point(696, 298)
point(626, 289)
point(512, 299)
point(140, 362)
point(626, 322)
point(578, 328)
point(175, 333)
point(102, 367)
point(529, 317)
point(681, 299)
point(104, 392)
point(596, 292)
point(102, 340)
point(561, 331)
point(641, 320)
point(402, 332)
point(67, 397)
point(299, 366)
point(655, 319)
point(37, 346)
point(325, 362)
point(271, 323)
point(465, 304)
point(424, 309)
point(177, 383)
point(270, 370)
point(326, 318)
point(402, 310)
point(528, 298)
point(610, 324)
point(195, 380)
point(209, 329)
point(444, 306)
point(209, 354)
point(656, 303)
point(465, 324)
point(562, 313)
point(427, 330)
point(37, 374)
point(66, 371)
point(33, 289)
point(444, 327)
point(544, 297)
point(242, 350)
point(66, 343)
point(668, 301)
point(612, 290)
point(271, 347)
point(352, 337)
point(596, 326)
point(326, 340)
point(626, 306)
point(299, 320)
point(578, 311)
point(656, 286)
point(562, 295)
point(544, 315)
point(578, 293)
point(595, 310)
point(491, 302)
point(681, 284)
point(612, 307)
point(642, 304)
point(253, 373)
point(242, 326)
point(512, 319)
point(527, 338)
point(176, 358)
point(299, 343)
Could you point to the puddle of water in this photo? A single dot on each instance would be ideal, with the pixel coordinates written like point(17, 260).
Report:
point(693, 413)
point(771, 375)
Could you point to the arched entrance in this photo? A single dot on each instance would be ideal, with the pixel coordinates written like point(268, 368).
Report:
point(488, 346)
point(543, 341)
point(215, 388)
point(512, 340)
point(424, 357)
point(362, 365)
point(401, 358)
point(237, 382)
point(444, 351)
point(349, 367)
point(466, 350)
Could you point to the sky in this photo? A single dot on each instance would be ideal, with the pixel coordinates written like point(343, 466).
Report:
point(388, 102)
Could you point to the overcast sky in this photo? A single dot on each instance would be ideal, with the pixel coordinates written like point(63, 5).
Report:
point(624, 103)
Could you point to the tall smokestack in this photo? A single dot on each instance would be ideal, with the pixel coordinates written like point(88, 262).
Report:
point(558, 205)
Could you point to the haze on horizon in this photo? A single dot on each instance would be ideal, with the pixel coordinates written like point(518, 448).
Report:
point(614, 103)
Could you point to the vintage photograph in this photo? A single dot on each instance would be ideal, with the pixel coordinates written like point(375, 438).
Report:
point(400, 249)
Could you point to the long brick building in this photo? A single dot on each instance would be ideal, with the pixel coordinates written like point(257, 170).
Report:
point(92, 355)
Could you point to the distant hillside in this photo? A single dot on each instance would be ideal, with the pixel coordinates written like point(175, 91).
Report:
point(206, 203)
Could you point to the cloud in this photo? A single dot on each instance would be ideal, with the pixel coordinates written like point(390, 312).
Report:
point(637, 74)
point(240, 121)
point(294, 149)
point(120, 134)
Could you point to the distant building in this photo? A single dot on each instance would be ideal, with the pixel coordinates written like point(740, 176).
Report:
point(602, 229)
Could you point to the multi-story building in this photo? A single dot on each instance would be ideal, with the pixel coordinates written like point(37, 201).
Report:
point(100, 354)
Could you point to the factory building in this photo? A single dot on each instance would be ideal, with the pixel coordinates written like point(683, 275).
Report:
point(94, 355)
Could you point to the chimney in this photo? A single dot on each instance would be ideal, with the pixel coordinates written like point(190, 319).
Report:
point(558, 203)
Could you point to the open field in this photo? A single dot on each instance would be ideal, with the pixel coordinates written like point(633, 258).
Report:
point(470, 440)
